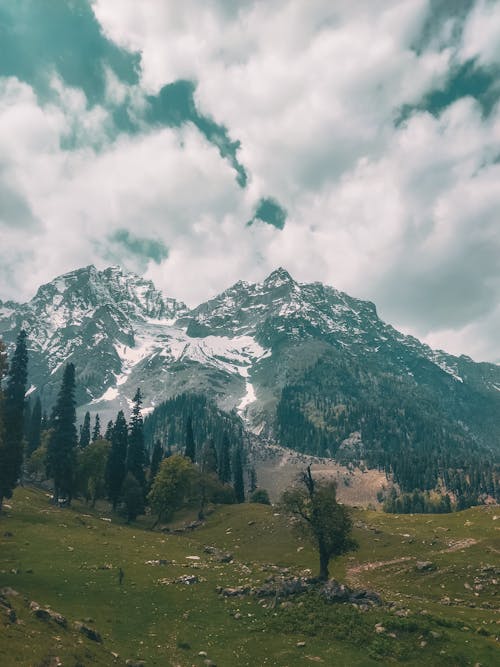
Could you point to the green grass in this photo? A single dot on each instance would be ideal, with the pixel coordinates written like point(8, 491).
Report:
point(67, 551)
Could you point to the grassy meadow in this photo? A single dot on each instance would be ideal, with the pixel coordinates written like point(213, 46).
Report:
point(68, 559)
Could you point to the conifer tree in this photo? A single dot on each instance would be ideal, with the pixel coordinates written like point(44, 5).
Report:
point(109, 431)
point(224, 468)
point(209, 458)
point(156, 459)
point(35, 427)
point(3, 371)
point(116, 463)
point(96, 433)
point(238, 483)
point(190, 451)
point(61, 452)
point(136, 453)
point(85, 432)
point(11, 452)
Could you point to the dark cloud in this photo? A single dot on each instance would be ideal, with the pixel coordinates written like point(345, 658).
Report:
point(143, 248)
point(175, 105)
point(269, 211)
point(467, 80)
point(41, 37)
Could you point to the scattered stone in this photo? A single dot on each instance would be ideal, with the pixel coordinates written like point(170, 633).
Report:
point(11, 615)
point(90, 633)
point(187, 579)
point(8, 534)
point(237, 616)
point(135, 663)
point(425, 566)
point(209, 663)
point(192, 558)
point(160, 561)
point(202, 654)
point(251, 523)
point(233, 592)
point(7, 591)
point(219, 555)
point(379, 628)
point(300, 644)
point(435, 635)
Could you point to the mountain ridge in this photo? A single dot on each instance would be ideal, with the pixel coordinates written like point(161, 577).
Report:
point(301, 363)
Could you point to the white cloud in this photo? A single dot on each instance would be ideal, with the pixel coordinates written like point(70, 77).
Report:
point(405, 216)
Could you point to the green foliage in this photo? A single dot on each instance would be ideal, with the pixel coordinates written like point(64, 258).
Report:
point(225, 460)
point(91, 470)
point(418, 502)
point(136, 453)
point(173, 486)
point(260, 496)
point(61, 450)
point(156, 459)
point(96, 433)
point(408, 427)
point(209, 458)
point(133, 497)
point(35, 427)
point(238, 482)
point(116, 463)
point(11, 444)
point(85, 432)
point(190, 449)
point(314, 504)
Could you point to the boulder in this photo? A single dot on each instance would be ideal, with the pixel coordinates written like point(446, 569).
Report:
point(90, 633)
point(424, 566)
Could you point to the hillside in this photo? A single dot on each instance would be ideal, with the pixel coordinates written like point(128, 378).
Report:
point(68, 560)
point(303, 365)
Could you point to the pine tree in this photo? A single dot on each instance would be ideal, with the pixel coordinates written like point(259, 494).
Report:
point(116, 463)
point(225, 461)
point(190, 451)
point(109, 431)
point(11, 452)
point(85, 432)
point(238, 483)
point(156, 459)
point(252, 480)
point(61, 452)
point(3, 371)
point(96, 433)
point(136, 453)
point(209, 458)
point(35, 429)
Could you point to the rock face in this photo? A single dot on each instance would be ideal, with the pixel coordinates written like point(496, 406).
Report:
point(298, 362)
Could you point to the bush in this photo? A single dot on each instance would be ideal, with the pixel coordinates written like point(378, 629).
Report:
point(260, 496)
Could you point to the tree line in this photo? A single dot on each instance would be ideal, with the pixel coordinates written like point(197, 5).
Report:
point(184, 463)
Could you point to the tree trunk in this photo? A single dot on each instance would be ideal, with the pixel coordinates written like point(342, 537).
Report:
point(324, 560)
point(1, 502)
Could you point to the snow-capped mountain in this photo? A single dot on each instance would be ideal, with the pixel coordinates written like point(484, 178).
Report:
point(241, 347)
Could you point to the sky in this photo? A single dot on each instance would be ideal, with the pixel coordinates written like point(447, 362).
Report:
point(203, 142)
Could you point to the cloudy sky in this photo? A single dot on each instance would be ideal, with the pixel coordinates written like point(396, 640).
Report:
point(206, 141)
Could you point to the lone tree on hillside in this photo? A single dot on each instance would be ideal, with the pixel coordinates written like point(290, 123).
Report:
point(314, 504)
point(11, 444)
point(172, 486)
point(61, 452)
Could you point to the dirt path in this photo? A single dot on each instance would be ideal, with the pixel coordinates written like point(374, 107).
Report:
point(461, 544)
point(374, 565)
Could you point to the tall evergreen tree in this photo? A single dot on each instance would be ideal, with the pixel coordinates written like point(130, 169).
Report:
point(85, 432)
point(116, 464)
point(3, 371)
point(156, 459)
point(238, 483)
point(190, 450)
point(224, 468)
point(96, 433)
point(61, 452)
point(11, 452)
point(109, 431)
point(35, 428)
point(136, 453)
point(209, 458)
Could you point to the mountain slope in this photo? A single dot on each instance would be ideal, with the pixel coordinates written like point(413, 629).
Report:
point(303, 363)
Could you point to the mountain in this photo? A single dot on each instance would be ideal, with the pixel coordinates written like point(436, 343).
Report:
point(302, 363)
